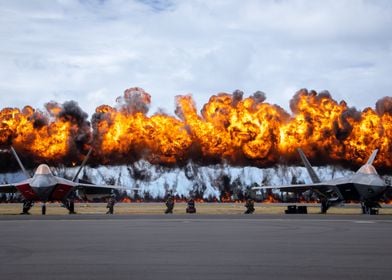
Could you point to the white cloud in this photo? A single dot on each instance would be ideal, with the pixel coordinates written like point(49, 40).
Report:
point(78, 49)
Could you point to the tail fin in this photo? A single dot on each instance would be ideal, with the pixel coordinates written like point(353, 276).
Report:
point(82, 165)
point(20, 163)
point(372, 157)
point(309, 168)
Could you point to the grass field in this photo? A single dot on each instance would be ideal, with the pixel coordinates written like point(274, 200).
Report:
point(159, 208)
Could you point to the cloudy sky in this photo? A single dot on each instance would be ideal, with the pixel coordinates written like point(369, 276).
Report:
point(91, 51)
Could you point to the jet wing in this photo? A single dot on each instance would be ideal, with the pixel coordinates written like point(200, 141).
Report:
point(91, 191)
point(321, 188)
point(15, 187)
point(82, 186)
point(91, 188)
point(8, 188)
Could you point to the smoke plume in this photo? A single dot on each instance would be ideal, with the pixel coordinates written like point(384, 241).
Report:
point(230, 128)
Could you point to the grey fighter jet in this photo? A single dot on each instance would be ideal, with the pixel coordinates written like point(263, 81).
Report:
point(44, 187)
point(365, 186)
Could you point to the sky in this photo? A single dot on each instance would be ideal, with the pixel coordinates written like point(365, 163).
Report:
point(91, 51)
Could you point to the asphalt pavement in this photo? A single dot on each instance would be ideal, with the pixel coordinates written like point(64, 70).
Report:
point(196, 247)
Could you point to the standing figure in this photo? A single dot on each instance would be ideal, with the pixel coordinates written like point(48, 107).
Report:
point(250, 206)
point(191, 206)
point(169, 205)
point(110, 205)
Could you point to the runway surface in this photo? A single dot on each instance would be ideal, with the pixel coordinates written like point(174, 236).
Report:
point(196, 247)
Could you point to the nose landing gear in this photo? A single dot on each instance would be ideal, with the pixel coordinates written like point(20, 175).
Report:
point(43, 208)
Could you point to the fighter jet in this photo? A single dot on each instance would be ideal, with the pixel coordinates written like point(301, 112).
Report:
point(365, 186)
point(44, 186)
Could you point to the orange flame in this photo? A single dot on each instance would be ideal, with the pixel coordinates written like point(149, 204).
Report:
point(271, 199)
point(47, 141)
point(240, 131)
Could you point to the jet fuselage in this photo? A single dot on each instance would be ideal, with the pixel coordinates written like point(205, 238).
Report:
point(44, 186)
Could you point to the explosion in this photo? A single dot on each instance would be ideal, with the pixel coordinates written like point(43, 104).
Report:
point(230, 128)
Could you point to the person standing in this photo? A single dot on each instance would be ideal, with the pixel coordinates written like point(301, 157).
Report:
point(191, 206)
point(250, 206)
point(169, 205)
point(110, 205)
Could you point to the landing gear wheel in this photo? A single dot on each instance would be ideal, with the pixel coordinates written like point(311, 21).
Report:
point(364, 209)
point(369, 210)
point(69, 204)
point(324, 206)
point(43, 209)
point(26, 207)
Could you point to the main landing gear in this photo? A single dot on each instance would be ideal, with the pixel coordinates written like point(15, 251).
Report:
point(324, 206)
point(27, 204)
point(70, 205)
point(367, 209)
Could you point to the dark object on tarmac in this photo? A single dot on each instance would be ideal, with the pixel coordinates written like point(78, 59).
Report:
point(43, 209)
point(302, 210)
point(71, 205)
point(110, 205)
point(169, 205)
point(191, 206)
point(250, 206)
point(293, 209)
point(369, 210)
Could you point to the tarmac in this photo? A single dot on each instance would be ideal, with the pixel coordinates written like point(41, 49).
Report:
point(196, 247)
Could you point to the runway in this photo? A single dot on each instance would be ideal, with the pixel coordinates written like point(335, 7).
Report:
point(196, 247)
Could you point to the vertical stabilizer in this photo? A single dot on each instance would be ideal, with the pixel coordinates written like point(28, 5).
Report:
point(309, 168)
point(372, 157)
point(368, 167)
point(20, 163)
point(82, 165)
